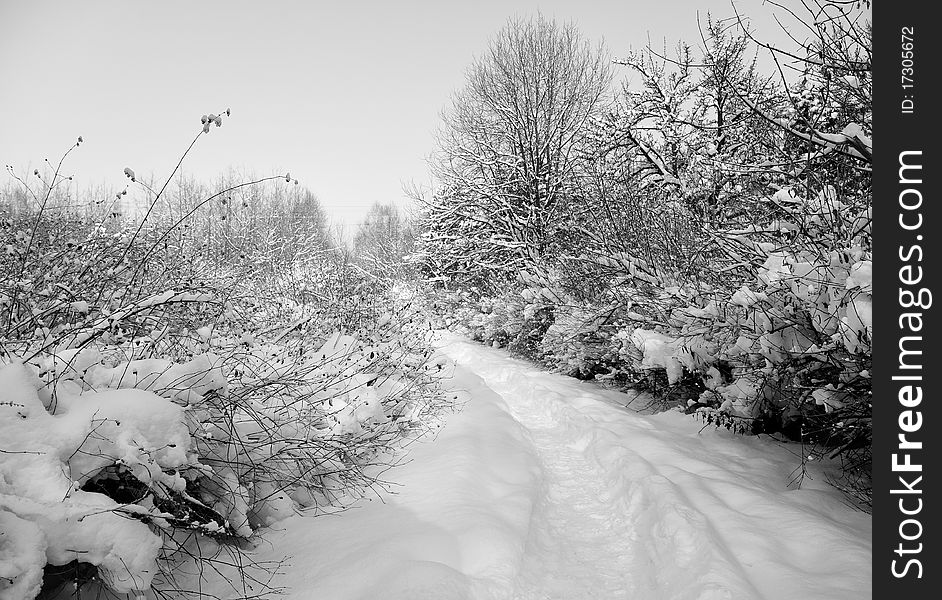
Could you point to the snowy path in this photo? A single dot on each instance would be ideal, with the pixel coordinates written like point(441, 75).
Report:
point(543, 487)
point(579, 545)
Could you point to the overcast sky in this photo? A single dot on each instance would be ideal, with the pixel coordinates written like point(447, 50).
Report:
point(345, 95)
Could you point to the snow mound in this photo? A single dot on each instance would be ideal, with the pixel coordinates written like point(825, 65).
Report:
point(55, 454)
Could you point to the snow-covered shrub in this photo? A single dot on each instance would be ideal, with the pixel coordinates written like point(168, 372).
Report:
point(783, 339)
point(516, 319)
point(579, 342)
point(158, 397)
point(49, 459)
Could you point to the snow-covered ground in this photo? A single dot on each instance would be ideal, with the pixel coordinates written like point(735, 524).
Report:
point(546, 487)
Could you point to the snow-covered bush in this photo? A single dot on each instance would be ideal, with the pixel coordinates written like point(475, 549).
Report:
point(579, 342)
point(516, 320)
point(158, 397)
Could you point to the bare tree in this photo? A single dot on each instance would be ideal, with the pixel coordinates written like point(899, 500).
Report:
point(508, 151)
point(383, 241)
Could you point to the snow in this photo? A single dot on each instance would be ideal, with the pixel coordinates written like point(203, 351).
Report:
point(55, 454)
point(659, 351)
point(745, 297)
point(185, 382)
point(854, 130)
point(861, 276)
point(22, 554)
point(547, 487)
point(79, 306)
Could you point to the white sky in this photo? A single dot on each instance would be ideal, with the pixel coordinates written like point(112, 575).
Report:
point(345, 95)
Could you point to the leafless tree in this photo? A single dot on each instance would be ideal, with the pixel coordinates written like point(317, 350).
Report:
point(383, 241)
point(508, 151)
